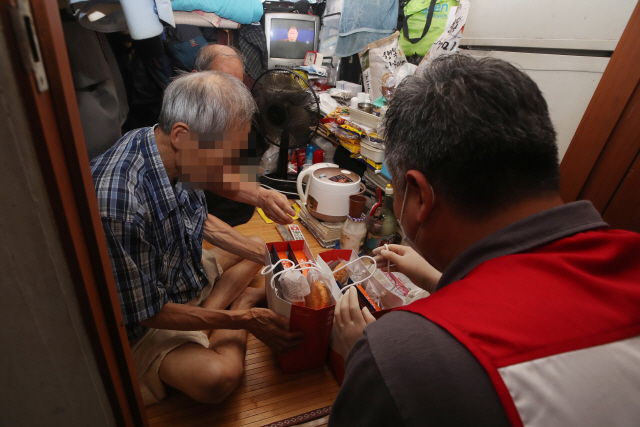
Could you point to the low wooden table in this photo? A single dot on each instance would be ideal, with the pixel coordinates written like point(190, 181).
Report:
point(266, 395)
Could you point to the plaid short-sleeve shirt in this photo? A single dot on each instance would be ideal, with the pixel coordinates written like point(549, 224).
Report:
point(153, 229)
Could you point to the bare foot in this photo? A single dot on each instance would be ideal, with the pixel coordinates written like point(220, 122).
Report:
point(249, 298)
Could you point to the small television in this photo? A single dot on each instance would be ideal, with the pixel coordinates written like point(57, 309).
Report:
point(289, 37)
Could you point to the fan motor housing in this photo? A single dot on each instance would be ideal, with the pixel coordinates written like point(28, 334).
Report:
point(277, 114)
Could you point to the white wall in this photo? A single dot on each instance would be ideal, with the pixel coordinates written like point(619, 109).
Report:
point(567, 83)
point(560, 24)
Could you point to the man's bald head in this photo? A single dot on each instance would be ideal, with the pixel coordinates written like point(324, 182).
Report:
point(225, 59)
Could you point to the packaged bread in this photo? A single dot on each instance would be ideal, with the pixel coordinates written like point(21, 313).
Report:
point(341, 276)
point(318, 297)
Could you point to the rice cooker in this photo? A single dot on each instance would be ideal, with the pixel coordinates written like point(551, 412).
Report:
point(328, 191)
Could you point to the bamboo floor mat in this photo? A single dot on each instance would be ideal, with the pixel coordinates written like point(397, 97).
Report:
point(265, 395)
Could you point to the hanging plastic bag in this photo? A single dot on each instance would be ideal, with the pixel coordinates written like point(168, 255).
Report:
point(449, 42)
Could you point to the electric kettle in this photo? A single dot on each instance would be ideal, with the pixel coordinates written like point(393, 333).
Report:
point(328, 191)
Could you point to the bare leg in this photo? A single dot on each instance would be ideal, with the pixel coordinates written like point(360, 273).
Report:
point(231, 285)
point(210, 375)
point(236, 276)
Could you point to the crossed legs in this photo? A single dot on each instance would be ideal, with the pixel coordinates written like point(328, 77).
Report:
point(210, 374)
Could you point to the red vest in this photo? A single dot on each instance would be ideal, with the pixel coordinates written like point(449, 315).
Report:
point(557, 329)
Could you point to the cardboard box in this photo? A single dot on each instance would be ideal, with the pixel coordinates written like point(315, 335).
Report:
point(315, 324)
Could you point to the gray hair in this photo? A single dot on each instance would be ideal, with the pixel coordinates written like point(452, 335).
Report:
point(478, 130)
point(209, 54)
point(208, 102)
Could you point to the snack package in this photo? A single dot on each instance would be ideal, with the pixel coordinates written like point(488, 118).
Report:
point(319, 296)
point(295, 286)
point(341, 274)
point(380, 60)
point(368, 298)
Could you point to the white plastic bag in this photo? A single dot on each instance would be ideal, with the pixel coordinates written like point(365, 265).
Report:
point(449, 42)
point(269, 161)
point(294, 286)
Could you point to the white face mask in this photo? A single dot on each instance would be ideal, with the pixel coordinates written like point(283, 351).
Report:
point(407, 239)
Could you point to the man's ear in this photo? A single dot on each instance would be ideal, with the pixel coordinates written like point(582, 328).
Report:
point(419, 186)
point(180, 135)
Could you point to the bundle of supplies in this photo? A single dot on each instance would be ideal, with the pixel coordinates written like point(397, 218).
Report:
point(303, 290)
point(378, 291)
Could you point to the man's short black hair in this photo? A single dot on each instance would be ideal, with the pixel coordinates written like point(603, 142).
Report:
point(478, 129)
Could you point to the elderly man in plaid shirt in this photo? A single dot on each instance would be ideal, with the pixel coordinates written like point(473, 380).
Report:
point(172, 292)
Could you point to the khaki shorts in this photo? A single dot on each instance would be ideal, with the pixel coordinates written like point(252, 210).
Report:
point(150, 350)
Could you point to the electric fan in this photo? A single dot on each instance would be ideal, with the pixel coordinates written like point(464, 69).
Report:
point(288, 117)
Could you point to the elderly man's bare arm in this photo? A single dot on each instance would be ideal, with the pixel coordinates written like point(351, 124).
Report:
point(265, 324)
point(275, 205)
point(225, 237)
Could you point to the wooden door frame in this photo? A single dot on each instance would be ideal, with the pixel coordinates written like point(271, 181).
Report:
point(59, 143)
point(592, 141)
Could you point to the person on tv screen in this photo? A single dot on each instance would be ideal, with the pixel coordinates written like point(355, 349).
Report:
point(290, 47)
point(292, 35)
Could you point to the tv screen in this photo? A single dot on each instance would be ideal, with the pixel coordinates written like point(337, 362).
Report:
point(291, 38)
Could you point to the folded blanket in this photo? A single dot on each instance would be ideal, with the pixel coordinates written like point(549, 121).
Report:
point(199, 18)
point(240, 11)
point(363, 22)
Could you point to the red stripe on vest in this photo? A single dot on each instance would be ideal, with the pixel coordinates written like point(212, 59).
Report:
point(575, 293)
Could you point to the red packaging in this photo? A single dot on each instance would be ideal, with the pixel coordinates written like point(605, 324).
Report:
point(300, 153)
point(336, 359)
point(318, 156)
point(293, 162)
point(315, 324)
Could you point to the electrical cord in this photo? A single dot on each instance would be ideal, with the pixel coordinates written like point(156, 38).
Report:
point(279, 191)
point(277, 179)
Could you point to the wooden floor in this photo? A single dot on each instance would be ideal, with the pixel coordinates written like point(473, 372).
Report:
point(266, 395)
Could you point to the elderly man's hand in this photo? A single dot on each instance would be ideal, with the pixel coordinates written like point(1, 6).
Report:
point(269, 327)
point(349, 322)
point(276, 206)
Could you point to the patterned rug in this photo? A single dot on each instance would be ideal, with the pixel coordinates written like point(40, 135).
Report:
point(302, 418)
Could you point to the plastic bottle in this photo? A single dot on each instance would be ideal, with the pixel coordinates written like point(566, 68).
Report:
point(318, 156)
point(381, 223)
point(354, 229)
point(309, 154)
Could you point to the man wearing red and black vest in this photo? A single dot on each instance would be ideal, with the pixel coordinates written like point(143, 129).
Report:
point(535, 318)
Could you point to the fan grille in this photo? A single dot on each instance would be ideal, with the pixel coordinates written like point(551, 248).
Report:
point(286, 101)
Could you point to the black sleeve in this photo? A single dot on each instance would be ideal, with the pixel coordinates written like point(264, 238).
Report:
point(364, 398)
point(433, 380)
point(408, 371)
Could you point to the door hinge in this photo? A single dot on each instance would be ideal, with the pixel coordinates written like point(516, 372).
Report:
point(25, 32)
